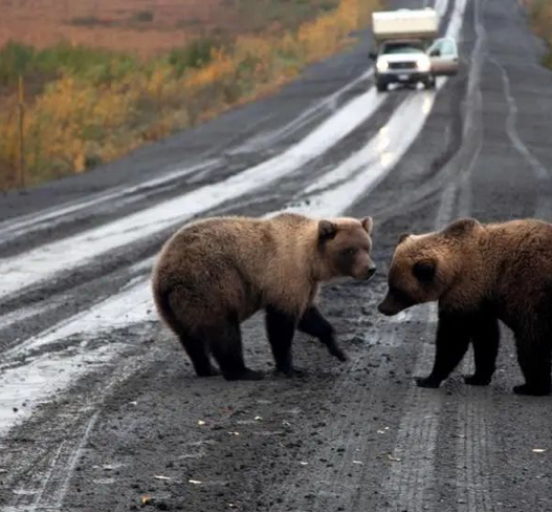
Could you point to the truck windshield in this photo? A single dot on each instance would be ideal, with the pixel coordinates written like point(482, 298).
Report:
point(401, 48)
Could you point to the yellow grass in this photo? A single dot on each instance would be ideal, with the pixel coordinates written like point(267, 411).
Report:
point(74, 124)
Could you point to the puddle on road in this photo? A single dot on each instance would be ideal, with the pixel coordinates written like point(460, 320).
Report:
point(43, 377)
point(25, 387)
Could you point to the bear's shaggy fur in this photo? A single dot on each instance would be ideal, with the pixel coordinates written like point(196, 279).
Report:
point(214, 274)
point(481, 274)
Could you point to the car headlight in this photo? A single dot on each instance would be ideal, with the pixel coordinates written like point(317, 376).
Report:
point(382, 65)
point(423, 64)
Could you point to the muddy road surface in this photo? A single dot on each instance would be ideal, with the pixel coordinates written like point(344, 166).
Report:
point(100, 410)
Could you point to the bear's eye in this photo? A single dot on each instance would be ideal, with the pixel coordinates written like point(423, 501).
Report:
point(424, 271)
point(350, 251)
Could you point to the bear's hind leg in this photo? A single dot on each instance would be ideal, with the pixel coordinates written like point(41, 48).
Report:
point(313, 322)
point(451, 346)
point(226, 345)
point(196, 350)
point(280, 328)
point(485, 335)
point(534, 357)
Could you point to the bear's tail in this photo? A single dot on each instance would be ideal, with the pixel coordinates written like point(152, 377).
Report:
point(162, 301)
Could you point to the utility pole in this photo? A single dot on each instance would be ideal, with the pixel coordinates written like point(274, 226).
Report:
point(21, 159)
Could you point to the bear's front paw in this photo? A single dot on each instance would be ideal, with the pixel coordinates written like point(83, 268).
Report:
point(338, 353)
point(527, 389)
point(477, 380)
point(290, 372)
point(428, 382)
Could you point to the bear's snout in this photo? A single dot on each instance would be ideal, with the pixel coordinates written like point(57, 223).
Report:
point(371, 271)
point(389, 307)
point(365, 272)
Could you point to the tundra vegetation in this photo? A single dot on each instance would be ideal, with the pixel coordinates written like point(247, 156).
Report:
point(87, 104)
point(540, 12)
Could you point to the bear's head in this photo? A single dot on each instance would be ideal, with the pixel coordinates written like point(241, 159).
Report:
point(425, 267)
point(344, 245)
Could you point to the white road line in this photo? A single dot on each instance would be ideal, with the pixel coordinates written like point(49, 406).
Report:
point(44, 262)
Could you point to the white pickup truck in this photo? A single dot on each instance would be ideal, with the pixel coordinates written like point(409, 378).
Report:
point(407, 49)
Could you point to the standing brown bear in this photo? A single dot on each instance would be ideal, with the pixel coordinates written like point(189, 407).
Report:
point(481, 274)
point(214, 274)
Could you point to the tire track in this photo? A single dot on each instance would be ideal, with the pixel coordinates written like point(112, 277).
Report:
point(543, 208)
point(40, 481)
point(412, 481)
point(476, 443)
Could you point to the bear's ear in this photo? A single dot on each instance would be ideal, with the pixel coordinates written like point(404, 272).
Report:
point(403, 237)
point(460, 227)
point(367, 224)
point(424, 271)
point(326, 230)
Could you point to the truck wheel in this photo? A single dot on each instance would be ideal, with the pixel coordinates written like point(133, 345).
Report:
point(430, 84)
point(381, 86)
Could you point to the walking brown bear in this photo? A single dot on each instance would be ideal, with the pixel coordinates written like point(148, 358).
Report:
point(214, 274)
point(481, 273)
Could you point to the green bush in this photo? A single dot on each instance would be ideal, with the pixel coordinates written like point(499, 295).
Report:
point(98, 66)
point(144, 16)
point(15, 60)
point(197, 54)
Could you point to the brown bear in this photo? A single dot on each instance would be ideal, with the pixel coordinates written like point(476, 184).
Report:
point(481, 273)
point(215, 273)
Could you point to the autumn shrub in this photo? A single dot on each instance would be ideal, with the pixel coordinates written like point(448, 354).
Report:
point(541, 18)
point(103, 105)
point(196, 55)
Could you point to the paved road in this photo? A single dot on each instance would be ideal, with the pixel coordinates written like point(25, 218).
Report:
point(98, 405)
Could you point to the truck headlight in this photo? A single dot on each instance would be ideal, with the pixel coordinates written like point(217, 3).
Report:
point(423, 64)
point(382, 65)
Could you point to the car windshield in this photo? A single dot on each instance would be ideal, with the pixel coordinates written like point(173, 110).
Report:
point(390, 49)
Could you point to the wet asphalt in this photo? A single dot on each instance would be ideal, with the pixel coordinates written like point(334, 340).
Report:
point(101, 411)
